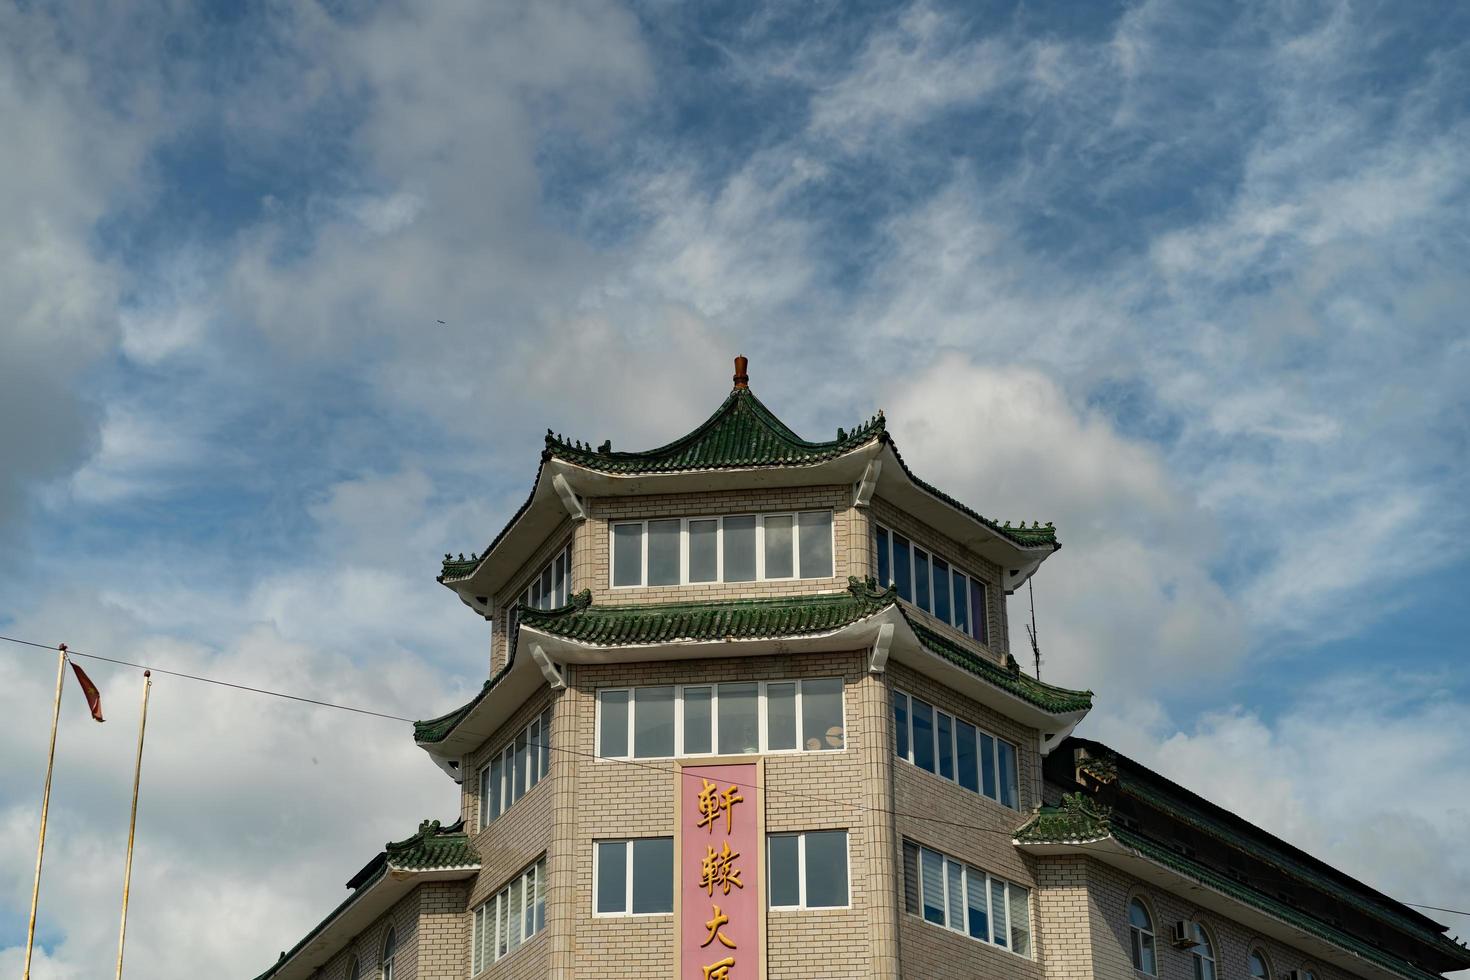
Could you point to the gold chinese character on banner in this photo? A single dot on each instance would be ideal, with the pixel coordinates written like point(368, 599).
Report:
point(720, 970)
point(718, 870)
point(713, 925)
point(712, 803)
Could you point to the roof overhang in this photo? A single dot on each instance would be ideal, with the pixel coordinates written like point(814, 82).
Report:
point(1112, 852)
point(523, 676)
point(353, 916)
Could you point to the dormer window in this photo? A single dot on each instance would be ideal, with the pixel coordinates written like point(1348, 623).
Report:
point(735, 548)
point(931, 583)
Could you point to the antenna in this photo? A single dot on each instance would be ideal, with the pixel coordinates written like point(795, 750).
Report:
point(1031, 628)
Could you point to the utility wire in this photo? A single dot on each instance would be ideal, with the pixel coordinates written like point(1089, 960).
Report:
point(575, 752)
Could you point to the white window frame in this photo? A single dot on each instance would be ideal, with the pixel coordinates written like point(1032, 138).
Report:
point(538, 768)
point(627, 912)
point(1260, 953)
point(801, 871)
point(1199, 930)
point(954, 736)
point(719, 579)
point(528, 595)
point(389, 957)
point(978, 629)
point(988, 882)
point(1136, 930)
point(534, 874)
point(763, 719)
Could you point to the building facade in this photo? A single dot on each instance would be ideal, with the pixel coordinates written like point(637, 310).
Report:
point(751, 714)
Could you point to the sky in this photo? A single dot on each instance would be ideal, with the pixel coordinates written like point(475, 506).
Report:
point(1187, 279)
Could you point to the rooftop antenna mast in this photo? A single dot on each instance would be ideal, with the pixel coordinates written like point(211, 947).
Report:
point(1031, 628)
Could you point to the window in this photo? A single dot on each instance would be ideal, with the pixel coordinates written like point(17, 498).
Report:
point(515, 770)
point(354, 972)
point(938, 742)
point(1141, 933)
point(390, 953)
point(742, 548)
point(503, 922)
point(808, 871)
point(552, 588)
point(733, 718)
point(1202, 953)
point(966, 900)
point(931, 583)
point(633, 877)
point(1258, 966)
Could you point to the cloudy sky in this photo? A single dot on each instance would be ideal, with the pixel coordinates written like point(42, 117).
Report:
point(1189, 282)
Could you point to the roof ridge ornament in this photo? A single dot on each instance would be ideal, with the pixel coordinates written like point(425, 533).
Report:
point(742, 374)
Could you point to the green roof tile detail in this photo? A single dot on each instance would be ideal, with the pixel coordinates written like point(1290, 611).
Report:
point(433, 848)
point(1136, 781)
point(582, 622)
point(1077, 820)
point(1189, 868)
point(742, 432)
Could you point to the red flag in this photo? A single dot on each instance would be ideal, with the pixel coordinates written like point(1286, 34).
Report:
point(94, 699)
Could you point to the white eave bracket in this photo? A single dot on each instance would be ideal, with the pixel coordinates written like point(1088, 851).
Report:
point(878, 658)
point(548, 669)
point(862, 491)
point(569, 498)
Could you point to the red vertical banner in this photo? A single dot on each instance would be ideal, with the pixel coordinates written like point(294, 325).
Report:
point(718, 881)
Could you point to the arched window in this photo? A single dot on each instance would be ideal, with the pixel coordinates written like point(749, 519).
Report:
point(354, 972)
point(1309, 974)
point(1258, 966)
point(1141, 934)
point(390, 947)
point(1203, 953)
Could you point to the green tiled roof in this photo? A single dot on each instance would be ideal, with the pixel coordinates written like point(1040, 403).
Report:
point(583, 622)
point(1205, 875)
point(1138, 782)
point(742, 433)
point(1077, 820)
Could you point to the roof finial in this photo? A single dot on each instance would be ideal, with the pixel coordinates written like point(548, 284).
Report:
point(742, 379)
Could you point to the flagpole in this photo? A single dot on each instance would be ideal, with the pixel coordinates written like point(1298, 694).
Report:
point(133, 821)
point(45, 806)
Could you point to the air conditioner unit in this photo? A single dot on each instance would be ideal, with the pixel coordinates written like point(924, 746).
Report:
point(1181, 935)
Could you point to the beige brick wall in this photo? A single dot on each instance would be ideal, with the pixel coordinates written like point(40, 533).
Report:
point(443, 932)
point(1064, 915)
point(367, 945)
point(1109, 891)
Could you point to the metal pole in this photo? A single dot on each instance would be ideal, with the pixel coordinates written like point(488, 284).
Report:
point(45, 806)
point(122, 934)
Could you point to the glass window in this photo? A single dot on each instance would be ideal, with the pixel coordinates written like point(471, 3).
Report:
point(739, 549)
point(946, 745)
point(548, 598)
point(778, 537)
point(1256, 963)
point(653, 875)
point(528, 917)
point(390, 954)
point(516, 904)
point(1007, 753)
point(663, 552)
point(976, 905)
point(1020, 914)
point(987, 765)
point(826, 868)
point(533, 753)
point(941, 588)
point(911, 877)
point(1202, 953)
point(356, 972)
point(520, 767)
point(698, 720)
point(923, 735)
point(704, 551)
point(545, 742)
point(1141, 938)
point(967, 762)
point(998, 912)
point(978, 617)
point(961, 613)
point(783, 859)
point(781, 716)
point(559, 580)
point(955, 882)
point(612, 733)
point(612, 876)
point(502, 916)
point(921, 579)
point(931, 875)
point(814, 533)
point(884, 578)
point(901, 724)
point(739, 724)
point(627, 554)
point(821, 714)
point(653, 722)
point(540, 895)
point(901, 570)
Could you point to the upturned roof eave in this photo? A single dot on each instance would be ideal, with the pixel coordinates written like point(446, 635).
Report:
point(1145, 859)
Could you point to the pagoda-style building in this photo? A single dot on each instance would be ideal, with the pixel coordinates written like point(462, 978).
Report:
point(751, 713)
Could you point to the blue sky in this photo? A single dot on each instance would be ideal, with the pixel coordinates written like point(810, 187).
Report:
point(1187, 279)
